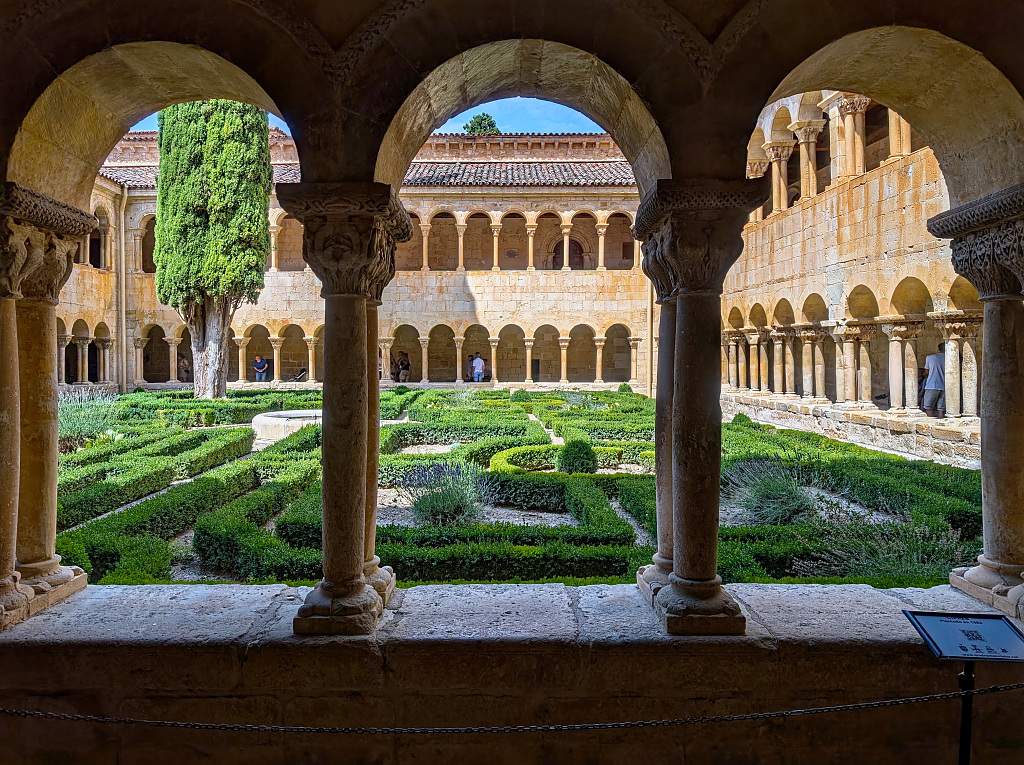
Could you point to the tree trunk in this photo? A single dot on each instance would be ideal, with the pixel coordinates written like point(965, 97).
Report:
point(208, 326)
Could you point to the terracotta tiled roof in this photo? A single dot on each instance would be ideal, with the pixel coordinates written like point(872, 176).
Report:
point(468, 173)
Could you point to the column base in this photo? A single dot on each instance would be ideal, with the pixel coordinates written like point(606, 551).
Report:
point(688, 607)
point(47, 575)
point(52, 589)
point(653, 577)
point(380, 578)
point(566, 268)
point(327, 611)
point(15, 601)
point(1000, 585)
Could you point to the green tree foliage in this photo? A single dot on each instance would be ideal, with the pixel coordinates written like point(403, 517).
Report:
point(482, 124)
point(212, 237)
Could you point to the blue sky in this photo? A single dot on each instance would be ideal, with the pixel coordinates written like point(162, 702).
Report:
point(513, 115)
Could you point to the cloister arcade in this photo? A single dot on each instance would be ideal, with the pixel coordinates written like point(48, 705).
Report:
point(359, 113)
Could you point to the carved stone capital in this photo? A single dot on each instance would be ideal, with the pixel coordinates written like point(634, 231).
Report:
point(46, 280)
point(692, 232)
point(988, 242)
point(757, 167)
point(241, 342)
point(897, 330)
point(140, 342)
point(807, 131)
point(349, 234)
point(778, 151)
point(853, 104)
point(46, 214)
point(276, 342)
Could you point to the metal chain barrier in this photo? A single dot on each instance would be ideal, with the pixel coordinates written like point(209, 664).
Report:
point(510, 729)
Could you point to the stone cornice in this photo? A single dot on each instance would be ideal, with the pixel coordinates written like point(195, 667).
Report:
point(44, 213)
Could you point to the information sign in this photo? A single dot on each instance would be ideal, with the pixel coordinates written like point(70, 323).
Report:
point(969, 637)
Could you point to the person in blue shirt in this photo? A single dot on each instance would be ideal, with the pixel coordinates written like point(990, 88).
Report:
point(260, 367)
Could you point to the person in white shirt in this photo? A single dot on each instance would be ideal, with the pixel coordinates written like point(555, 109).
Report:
point(478, 368)
point(934, 401)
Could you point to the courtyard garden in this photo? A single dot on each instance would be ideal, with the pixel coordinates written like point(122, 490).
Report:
point(486, 486)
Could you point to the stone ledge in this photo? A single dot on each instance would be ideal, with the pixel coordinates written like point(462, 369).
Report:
point(487, 654)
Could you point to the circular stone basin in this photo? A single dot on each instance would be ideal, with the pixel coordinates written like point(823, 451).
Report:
point(273, 426)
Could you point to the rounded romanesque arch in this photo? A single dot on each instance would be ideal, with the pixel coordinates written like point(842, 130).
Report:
point(862, 303)
point(758, 317)
point(156, 366)
point(963, 296)
point(442, 363)
point(259, 345)
point(510, 358)
point(911, 298)
point(782, 315)
point(814, 310)
point(289, 245)
point(407, 345)
point(476, 340)
point(547, 356)
point(582, 355)
point(735, 318)
point(617, 355)
point(294, 353)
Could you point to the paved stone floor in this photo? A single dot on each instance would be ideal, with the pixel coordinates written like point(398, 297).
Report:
point(489, 654)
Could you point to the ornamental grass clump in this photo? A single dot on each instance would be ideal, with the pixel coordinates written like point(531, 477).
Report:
point(854, 546)
point(82, 415)
point(771, 492)
point(442, 494)
point(577, 456)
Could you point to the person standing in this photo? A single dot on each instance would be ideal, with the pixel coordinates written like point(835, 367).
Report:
point(478, 368)
point(260, 367)
point(404, 366)
point(934, 401)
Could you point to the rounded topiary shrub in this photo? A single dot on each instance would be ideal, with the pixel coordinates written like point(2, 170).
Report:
point(520, 396)
point(577, 456)
point(624, 388)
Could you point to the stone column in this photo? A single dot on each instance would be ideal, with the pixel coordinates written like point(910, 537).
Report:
point(107, 251)
point(62, 348)
point(349, 235)
point(528, 342)
point(789, 345)
point(899, 136)
point(494, 358)
point(988, 251)
point(602, 229)
point(531, 230)
point(951, 348)
point(779, 364)
point(807, 132)
point(172, 356)
point(636, 253)
point(425, 235)
point(82, 358)
point(380, 578)
point(852, 109)
point(460, 229)
point(38, 239)
point(424, 359)
point(243, 367)
point(895, 367)
point(762, 361)
point(634, 347)
point(38, 562)
point(385, 355)
point(819, 367)
point(807, 362)
point(311, 358)
point(655, 576)
point(274, 253)
point(742, 358)
point(104, 344)
point(566, 230)
point(563, 345)
point(734, 380)
point(864, 360)
point(277, 343)
point(460, 373)
point(779, 153)
point(496, 233)
point(969, 376)
point(692, 232)
point(599, 345)
point(139, 344)
point(726, 382)
point(136, 262)
point(910, 374)
point(754, 359)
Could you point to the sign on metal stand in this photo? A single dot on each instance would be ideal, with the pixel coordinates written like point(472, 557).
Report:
point(968, 638)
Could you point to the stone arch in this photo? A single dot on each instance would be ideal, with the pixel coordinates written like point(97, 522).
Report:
point(973, 117)
point(111, 87)
point(758, 316)
point(476, 340)
point(547, 356)
point(619, 245)
point(443, 244)
point(735, 318)
point(527, 67)
point(407, 341)
point(814, 309)
point(510, 359)
point(294, 352)
point(156, 365)
point(259, 345)
point(478, 241)
point(911, 298)
point(441, 360)
point(783, 315)
point(581, 360)
point(148, 245)
point(862, 303)
point(617, 356)
point(513, 244)
point(409, 254)
point(548, 236)
point(779, 126)
point(963, 296)
point(185, 372)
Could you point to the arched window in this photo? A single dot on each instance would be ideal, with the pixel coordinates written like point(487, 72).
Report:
point(575, 255)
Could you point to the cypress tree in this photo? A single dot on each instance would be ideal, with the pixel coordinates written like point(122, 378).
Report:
point(212, 233)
